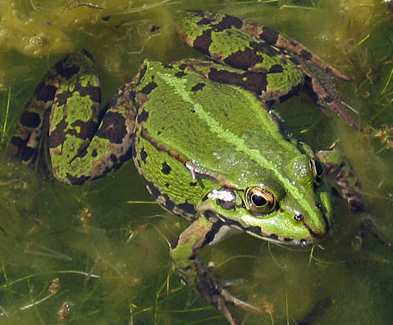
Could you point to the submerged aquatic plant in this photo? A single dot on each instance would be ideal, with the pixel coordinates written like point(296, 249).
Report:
point(5, 118)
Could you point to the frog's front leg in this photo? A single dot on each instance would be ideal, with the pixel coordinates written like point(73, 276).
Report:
point(322, 85)
point(342, 178)
point(339, 173)
point(66, 122)
point(200, 233)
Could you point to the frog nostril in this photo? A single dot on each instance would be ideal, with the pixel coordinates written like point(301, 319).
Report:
point(299, 217)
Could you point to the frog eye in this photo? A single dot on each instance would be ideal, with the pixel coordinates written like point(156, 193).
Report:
point(316, 167)
point(260, 200)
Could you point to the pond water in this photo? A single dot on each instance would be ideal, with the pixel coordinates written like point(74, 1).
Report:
point(98, 253)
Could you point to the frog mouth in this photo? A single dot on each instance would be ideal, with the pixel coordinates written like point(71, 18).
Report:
point(257, 232)
point(318, 236)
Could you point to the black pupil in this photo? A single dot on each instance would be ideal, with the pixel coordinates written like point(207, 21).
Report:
point(258, 200)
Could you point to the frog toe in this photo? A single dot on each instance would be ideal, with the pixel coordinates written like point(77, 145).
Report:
point(370, 229)
point(216, 294)
point(323, 87)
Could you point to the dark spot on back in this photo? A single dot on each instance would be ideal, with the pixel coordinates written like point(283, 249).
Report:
point(180, 74)
point(269, 35)
point(243, 59)
point(93, 92)
point(198, 86)
point(253, 81)
point(193, 183)
point(165, 169)
point(82, 152)
point(149, 88)
point(142, 116)
point(62, 98)
point(143, 155)
point(45, 92)
point(84, 130)
point(276, 68)
point(106, 18)
point(228, 22)
point(205, 21)
point(94, 153)
point(30, 119)
point(202, 42)
point(113, 127)
point(57, 136)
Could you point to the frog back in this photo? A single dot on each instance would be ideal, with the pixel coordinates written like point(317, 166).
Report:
point(222, 130)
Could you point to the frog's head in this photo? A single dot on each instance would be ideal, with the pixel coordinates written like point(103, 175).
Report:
point(292, 208)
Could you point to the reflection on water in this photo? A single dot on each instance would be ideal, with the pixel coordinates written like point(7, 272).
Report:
point(99, 253)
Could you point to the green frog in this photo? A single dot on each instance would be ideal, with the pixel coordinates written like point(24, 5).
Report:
point(204, 136)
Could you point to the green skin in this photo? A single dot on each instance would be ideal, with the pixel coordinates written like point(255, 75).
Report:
point(200, 134)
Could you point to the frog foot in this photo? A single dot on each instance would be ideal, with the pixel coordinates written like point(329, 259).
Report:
point(217, 294)
point(369, 227)
point(340, 174)
point(322, 85)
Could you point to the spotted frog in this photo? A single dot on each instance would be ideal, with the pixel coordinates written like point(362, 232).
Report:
point(204, 136)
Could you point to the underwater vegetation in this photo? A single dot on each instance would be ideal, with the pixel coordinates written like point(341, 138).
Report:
point(99, 253)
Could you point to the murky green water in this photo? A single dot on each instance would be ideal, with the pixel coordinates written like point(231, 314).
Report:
point(102, 249)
